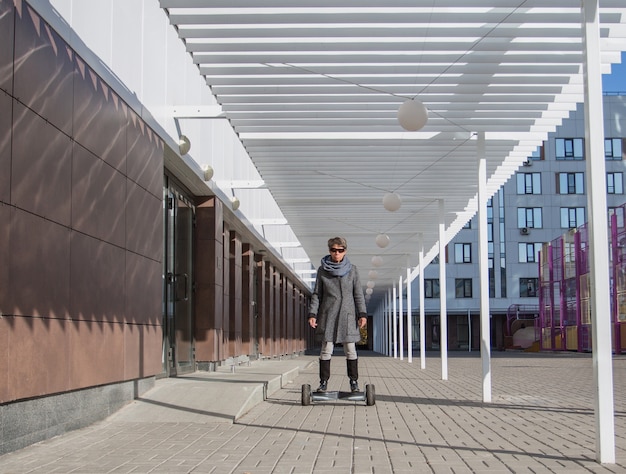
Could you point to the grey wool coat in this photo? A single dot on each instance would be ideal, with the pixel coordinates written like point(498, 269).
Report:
point(337, 303)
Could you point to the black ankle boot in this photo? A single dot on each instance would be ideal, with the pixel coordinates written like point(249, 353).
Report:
point(323, 386)
point(354, 386)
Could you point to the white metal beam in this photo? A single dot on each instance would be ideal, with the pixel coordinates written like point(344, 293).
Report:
point(443, 295)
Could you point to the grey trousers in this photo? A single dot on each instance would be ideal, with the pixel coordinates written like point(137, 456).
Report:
point(328, 346)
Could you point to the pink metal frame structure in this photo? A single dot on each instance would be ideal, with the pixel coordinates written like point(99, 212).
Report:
point(565, 288)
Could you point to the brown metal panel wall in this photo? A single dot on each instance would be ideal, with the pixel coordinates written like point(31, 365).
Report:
point(81, 182)
point(307, 339)
point(284, 298)
point(305, 333)
point(284, 292)
point(82, 233)
point(278, 308)
point(269, 310)
point(5, 216)
point(225, 313)
point(291, 347)
point(300, 319)
point(297, 319)
point(260, 309)
point(44, 72)
point(208, 267)
point(247, 300)
point(235, 303)
point(7, 12)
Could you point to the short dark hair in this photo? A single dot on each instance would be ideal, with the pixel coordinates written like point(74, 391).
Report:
point(340, 241)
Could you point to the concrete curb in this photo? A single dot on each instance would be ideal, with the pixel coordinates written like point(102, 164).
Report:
point(260, 393)
point(256, 396)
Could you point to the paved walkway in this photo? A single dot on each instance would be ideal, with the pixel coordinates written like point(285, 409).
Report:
point(541, 420)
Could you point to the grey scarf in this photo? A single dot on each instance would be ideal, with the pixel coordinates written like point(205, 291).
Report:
point(336, 269)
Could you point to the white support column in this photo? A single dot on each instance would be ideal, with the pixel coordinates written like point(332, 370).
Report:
point(400, 320)
point(421, 302)
point(383, 329)
point(373, 331)
point(380, 333)
point(409, 316)
point(378, 318)
point(469, 330)
point(443, 312)
point(598, 236)
point(483, 270)
point(395, 322)
point(389, 325)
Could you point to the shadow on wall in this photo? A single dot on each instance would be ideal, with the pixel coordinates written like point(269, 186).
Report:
point(81, 238)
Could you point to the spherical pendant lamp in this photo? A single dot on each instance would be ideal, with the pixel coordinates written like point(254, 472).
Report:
point(377, 261)
point(369, 291)
point(382, 240)
point(370, 284)
point(235, 203)
point(373, 274)
point(207, 172)
point(412, 115)
point(392, 201)
point(184, 145)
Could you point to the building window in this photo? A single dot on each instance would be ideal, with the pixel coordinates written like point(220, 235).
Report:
point(527, 287)
point(570, 149)
point(614, 183)
point(569, 252)
point(431, 288)
point(528, 183)
point(538, 154)
point(572, 217)
point(570, 183)
point(613, 148)
point(529, 253)
point(529, 217)
point(462, 253)
point(463, 287)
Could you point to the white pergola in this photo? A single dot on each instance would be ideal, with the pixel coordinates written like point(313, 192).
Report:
point(312, 89)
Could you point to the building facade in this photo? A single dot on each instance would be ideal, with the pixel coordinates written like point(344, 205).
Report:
point(118, 265)
point(544, 199)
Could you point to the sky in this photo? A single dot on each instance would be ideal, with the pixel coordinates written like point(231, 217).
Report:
point(616, 81)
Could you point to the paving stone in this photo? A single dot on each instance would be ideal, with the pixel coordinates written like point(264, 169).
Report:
point(540, 420)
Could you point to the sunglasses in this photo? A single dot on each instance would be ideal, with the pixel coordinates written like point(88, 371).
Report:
point(337, 250)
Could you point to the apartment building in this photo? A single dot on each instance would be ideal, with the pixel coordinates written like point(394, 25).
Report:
point(546, 197)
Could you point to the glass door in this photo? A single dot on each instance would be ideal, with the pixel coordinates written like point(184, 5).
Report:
point(178, 343)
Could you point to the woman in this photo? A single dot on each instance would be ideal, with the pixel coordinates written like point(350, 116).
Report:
point(337, 310)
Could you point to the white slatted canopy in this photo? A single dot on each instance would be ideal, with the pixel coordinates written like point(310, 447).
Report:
point(312, 89)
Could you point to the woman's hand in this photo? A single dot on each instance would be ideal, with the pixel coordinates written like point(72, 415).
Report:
point(362, 322)
point(313, 322)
